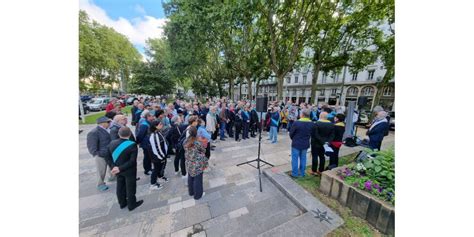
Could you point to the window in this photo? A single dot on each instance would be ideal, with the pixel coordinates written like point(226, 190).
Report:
point(302, 92)
point(336, 78)
point(368, 91)
point(304, 79)
point(322, 93)
point(333, 91)
point(371, 75)
point(296, 78)
point(354, 76)
point(288, 80)
point(387, 91)
point(294, 92)
point(352, 91)
point(324, 77)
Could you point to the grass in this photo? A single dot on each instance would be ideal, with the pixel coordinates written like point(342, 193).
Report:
point(353, 225)
point(91, 119)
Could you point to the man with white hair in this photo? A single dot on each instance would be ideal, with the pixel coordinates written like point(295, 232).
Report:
point(378, 130)
point(118, 122)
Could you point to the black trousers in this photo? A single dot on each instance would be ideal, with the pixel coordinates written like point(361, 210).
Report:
point(215, 134)
point(317, 152)
point(253, 129)
point(158, 170)
point(179, 162)
point(230, 127)
point(238, 130)
point(334, 158)
point(146, 159)
point(126, 190)
point(195, 186)
point(208, 150)
point(246, 131)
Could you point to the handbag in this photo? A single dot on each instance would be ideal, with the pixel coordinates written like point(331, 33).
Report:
point(336, 144)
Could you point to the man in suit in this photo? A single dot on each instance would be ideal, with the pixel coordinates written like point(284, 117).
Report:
point(378, 130)
point(122, 156)
point(119, 122)
point(323, 133)
point(98, 140)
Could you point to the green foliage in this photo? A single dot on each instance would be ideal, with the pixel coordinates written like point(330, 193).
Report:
point(104, 54)
point(376, 176)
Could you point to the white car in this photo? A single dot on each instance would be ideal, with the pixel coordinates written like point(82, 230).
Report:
point(98, 104)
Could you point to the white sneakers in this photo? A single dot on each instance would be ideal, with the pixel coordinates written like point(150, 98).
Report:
point(156, 186)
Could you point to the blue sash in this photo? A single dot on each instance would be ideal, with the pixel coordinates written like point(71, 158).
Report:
point(124, 145)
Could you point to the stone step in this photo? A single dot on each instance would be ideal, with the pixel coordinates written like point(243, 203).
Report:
point(304, 225)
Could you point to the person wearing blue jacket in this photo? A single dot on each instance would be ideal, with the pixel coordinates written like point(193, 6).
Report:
point(246, 122)
point(274, 122)
point(143, 138)
point(378, 130)
point(300, 134)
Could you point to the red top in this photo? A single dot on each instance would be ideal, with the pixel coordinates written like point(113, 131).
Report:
point(109, 107)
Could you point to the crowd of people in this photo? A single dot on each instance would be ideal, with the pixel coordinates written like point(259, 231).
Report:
point(190, 131)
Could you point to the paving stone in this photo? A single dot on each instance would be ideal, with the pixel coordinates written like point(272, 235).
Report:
point(176, 207)
point(130, 230)
point(174, 200)
point(199, 234)
point(239, 212)
point(183, 233)
point(217, 182)
point(227, 204)
point(189, 203)
point(162, 225)
point(197, 214)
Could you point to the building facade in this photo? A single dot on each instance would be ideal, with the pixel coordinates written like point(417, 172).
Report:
point(332, 88)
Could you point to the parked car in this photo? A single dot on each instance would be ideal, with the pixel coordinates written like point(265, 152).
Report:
point(98, 104)
point(392, 120)
point(85, 98)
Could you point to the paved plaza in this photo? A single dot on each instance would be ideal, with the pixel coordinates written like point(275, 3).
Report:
point(232, 206)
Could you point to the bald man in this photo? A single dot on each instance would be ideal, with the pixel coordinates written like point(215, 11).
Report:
point(323, 132)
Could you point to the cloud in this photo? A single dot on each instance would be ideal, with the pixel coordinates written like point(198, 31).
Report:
point(140, 9)
point(138, 30)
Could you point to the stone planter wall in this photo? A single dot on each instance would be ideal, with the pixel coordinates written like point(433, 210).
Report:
point(378, 213)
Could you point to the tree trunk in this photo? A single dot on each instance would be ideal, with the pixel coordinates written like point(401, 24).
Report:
point(231, 88)
point(240, 90)
point(382, 84)
point(249, 83)
point(317, 67)
point(280, 87)
point(256, 89)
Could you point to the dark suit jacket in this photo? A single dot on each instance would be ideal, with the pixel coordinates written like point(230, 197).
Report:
point(127, 160)
point(323, 132)
point(114, 133)
point(97, 141)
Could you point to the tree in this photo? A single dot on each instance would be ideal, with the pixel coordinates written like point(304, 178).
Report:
point(287, 24)
point(104, 54)
point(341, 37)
point(153, 77)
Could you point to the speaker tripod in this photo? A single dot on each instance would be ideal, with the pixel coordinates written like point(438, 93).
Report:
point(258, 160)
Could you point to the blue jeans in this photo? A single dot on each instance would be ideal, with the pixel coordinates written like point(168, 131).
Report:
point(298, 155)
point(222, 129)
point(273, 133)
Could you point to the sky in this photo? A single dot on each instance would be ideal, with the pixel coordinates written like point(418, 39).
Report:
point(138, 19)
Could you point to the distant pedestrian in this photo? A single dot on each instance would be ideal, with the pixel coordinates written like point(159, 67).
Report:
point(98, 139)
point(300, 135)
point(238, 124)
point(122, 156)
point(273, 124)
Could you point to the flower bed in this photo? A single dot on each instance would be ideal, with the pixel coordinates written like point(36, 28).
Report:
point(375, 176)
